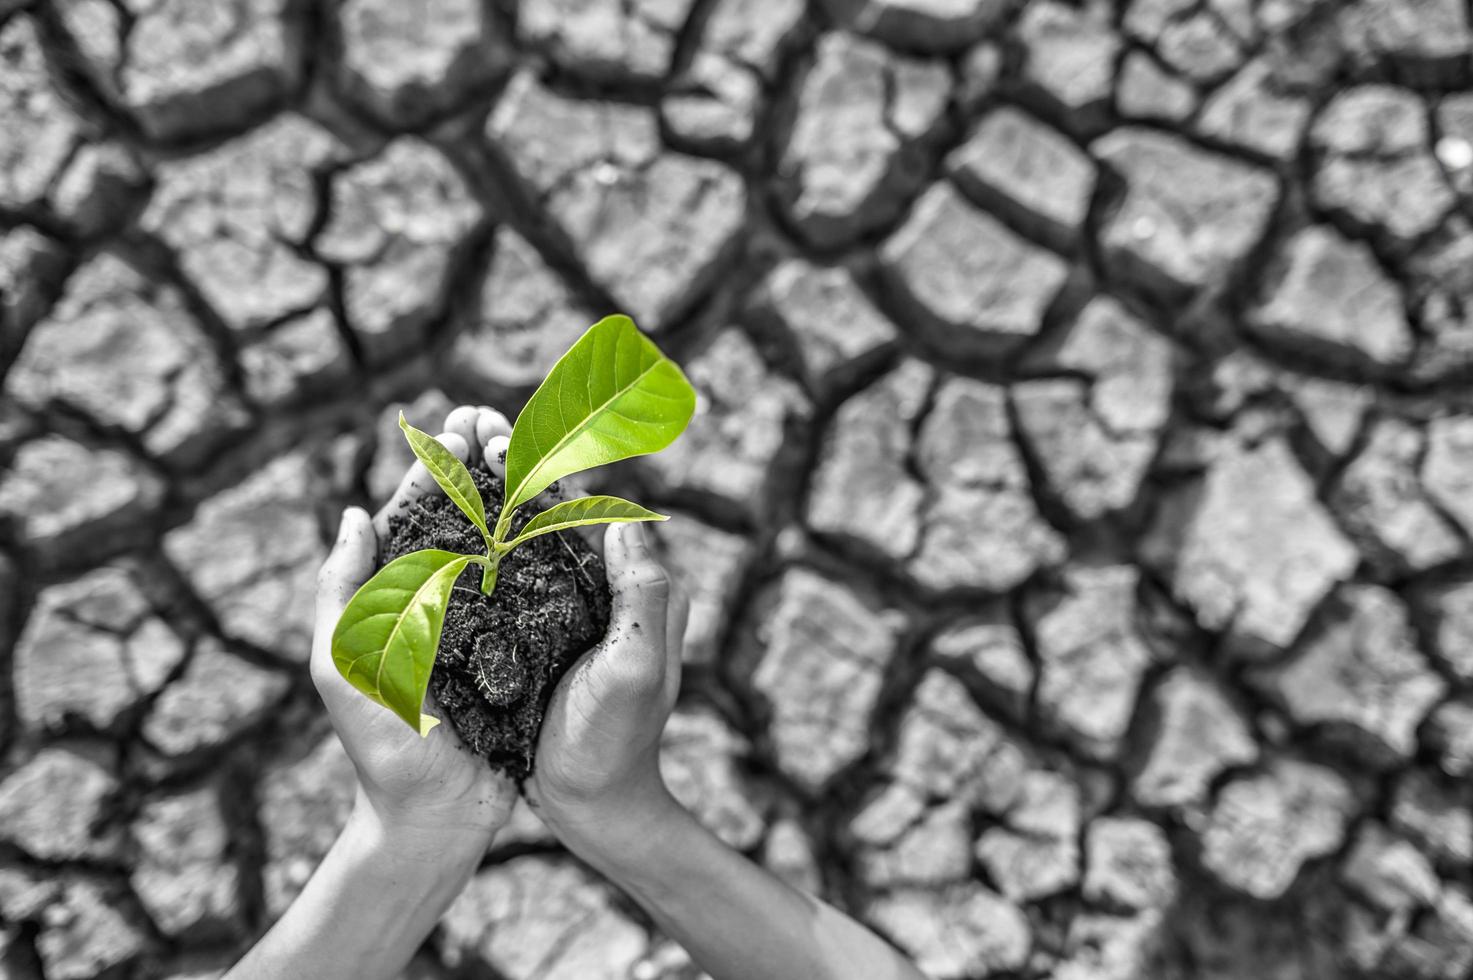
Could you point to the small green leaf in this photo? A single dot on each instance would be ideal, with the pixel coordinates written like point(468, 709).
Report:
point(449, 472)
point(385, 641)
point(613, 395)
point(582, 512)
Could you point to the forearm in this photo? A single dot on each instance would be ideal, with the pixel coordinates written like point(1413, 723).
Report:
point(367, 908)
point(737, 921)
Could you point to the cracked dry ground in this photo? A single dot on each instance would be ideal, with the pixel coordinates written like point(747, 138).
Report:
point(1079, 517)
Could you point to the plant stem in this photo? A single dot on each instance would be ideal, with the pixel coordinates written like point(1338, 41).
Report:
point(503, 524)
point(488, 574)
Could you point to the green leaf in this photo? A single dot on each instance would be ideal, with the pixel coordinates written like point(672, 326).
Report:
point(613, 395)
point(385, 641)
point(582, 512)
point(449, 472)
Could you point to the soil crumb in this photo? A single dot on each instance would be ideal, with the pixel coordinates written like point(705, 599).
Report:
point(501, 657)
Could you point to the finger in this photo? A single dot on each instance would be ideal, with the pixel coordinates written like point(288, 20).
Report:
point(350, 563)
point(640, 618)
point(489, 424)
point(417, 483)
point(495, 455)
point(462, 422)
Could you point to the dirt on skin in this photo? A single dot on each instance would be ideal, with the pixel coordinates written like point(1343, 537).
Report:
point(501, 657)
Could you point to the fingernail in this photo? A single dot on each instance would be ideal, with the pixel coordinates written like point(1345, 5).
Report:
point(343, 525)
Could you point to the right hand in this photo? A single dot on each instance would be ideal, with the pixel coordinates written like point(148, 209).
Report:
point(597, 771)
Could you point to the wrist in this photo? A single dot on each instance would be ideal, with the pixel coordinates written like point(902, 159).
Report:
point(621, 837)
point(420, 844)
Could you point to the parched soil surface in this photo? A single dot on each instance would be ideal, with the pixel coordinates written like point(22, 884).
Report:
point(1078, 521)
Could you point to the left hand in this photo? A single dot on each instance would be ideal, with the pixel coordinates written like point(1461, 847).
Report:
point(424, 793)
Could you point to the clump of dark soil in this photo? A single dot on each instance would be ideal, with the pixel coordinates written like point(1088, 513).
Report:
point(501, 657)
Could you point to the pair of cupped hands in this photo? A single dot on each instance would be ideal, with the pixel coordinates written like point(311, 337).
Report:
point(597, 761)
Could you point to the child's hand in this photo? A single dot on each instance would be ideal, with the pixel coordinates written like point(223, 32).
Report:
point(596, 778)
point(424, 792)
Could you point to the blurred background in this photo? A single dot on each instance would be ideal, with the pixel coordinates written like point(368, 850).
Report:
point(1078, 514)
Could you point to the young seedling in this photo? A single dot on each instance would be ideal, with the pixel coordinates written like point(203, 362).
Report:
point(613, 395)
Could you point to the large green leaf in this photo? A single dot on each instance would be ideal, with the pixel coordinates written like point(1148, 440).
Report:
point(385, 641)
point(584, 511)
point(449, 472)
point(613, 395)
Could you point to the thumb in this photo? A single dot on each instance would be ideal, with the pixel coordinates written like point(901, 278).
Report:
point(640, 616)
point(349, 565)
